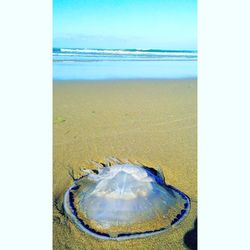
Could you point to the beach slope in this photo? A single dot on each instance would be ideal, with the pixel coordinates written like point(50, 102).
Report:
point(152, 122)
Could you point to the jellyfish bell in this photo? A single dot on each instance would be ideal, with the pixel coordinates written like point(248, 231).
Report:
point(124, 201)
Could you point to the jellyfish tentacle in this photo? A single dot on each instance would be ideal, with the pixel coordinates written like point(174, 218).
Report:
point(71, 174)
point(160, 171)
point(87, 171)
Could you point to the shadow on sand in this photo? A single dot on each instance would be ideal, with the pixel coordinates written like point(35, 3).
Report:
point(190, 238)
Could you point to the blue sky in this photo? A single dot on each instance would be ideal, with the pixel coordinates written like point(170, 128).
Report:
point(160, 24)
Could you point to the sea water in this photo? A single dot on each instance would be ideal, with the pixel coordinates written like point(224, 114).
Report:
point(100, 64)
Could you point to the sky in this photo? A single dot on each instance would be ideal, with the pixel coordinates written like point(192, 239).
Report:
point(114, 24)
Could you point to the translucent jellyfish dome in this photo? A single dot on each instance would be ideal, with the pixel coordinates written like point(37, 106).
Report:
point(124, 201)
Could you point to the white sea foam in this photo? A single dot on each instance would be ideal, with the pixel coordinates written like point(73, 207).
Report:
point(147, 52)
point(88, 63)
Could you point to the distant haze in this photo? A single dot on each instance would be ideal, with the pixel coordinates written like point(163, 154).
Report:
point(159, 24)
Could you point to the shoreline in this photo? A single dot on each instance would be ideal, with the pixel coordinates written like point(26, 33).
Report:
point(120, 81)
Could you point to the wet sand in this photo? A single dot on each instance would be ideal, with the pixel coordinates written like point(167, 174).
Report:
point(152, 122)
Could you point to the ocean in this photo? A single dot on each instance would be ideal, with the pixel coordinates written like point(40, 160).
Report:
point(101, 64)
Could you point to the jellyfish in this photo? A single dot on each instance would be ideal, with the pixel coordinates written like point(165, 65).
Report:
point(123, 201)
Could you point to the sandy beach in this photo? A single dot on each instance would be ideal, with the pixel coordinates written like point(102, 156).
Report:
point(148, 121)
